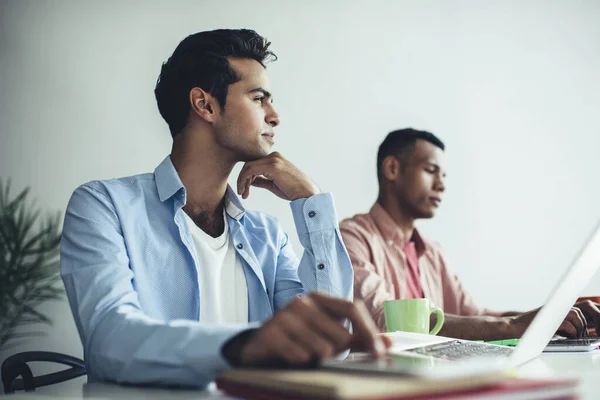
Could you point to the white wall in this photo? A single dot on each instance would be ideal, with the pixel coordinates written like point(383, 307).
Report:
point(512, 87)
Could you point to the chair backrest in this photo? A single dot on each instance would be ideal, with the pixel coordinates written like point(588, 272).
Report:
point(16, 365)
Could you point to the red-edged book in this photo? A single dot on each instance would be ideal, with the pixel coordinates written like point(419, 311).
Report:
point(325, 385)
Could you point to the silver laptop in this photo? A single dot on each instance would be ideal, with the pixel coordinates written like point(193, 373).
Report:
point(420, 354)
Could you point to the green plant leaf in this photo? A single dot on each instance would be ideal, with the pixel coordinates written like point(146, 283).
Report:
point(29, 264)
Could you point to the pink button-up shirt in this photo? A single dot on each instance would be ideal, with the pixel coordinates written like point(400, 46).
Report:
point(381, 269)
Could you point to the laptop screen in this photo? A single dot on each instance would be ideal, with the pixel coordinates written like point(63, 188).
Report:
point(560, 301)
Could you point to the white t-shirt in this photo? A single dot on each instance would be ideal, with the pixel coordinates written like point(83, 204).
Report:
point(223, 289)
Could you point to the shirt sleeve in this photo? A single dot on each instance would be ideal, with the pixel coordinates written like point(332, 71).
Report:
point(121, 343)
point(325, 265)
point(369, 284)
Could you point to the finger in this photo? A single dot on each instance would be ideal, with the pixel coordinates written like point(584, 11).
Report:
point(263, 183)
point(573, 319)
point(248, 164)
point(358, 315)
point(243, 176)
point(242, 180)
point(322, 323)
point(283, 346)
point(567, 329)
point(298, 328)
point(269, 185)
point(260, 163)
point(387, 341)
point(578, 320)
point(595, 318)
point(247, 184)
point(591, 311)
point(585, 321)
point(250, 171)
point(356, 344)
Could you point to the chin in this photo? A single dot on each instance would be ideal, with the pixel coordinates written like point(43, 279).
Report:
point(427, 214)
point(253, 155)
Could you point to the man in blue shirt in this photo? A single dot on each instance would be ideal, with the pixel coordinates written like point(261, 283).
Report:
point(145, 259)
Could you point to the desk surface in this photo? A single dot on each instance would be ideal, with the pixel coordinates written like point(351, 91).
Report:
point(584, 365)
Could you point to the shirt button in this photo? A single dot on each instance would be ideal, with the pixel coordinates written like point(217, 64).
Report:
point(390, 242)
point(240, 246)
point(321, 266)
point(312, 214)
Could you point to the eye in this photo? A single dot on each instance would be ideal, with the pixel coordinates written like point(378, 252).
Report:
point(259, 99)
point(430, 170)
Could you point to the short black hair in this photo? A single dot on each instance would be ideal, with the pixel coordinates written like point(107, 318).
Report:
point(398, 141)
point(200, 60)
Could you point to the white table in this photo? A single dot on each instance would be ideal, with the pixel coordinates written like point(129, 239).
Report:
point(586, 366)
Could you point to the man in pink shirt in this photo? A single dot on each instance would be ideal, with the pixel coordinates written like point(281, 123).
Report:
point(392, 260)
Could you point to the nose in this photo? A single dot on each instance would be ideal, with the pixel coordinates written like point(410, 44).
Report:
point(440, 184)
point(272, 118)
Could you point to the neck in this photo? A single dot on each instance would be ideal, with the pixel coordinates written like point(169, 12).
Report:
point(403, 220)
point(203, 169)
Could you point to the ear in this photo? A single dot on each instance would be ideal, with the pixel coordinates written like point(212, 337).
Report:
point(203, 104)
point(390, 168)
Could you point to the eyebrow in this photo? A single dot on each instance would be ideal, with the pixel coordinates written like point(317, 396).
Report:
point(266, 93)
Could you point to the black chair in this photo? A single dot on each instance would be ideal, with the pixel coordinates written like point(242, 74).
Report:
point(16, 365)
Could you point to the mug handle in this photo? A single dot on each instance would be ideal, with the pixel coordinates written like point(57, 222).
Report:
point(440, 320)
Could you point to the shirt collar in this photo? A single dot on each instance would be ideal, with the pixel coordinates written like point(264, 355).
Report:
point(169, 184)
point(391, 232)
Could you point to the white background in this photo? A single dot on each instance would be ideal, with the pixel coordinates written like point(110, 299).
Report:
point(512, 87)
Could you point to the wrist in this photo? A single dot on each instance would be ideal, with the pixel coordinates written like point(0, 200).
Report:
point(306, 192)
point(304, 195)
point(510, 327)
point(232, 350)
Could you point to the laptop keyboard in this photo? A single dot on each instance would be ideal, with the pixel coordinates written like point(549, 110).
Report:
point(581, 342)
point(457, 350)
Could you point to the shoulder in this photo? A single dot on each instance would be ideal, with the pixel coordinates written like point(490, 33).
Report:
point(359, 234)
point(112, 191)
point(129, 184)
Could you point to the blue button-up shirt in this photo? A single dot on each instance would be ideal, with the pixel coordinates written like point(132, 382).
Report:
point(131, 274)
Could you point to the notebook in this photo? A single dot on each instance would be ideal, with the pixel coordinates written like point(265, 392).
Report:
point(318, 384)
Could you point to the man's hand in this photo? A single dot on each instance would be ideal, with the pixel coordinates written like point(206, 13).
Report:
point(591, 311)
point(310, 329)
point(278, 175)
point(574, 325)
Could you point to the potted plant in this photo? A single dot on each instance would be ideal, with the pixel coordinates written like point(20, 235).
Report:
point(29, 264)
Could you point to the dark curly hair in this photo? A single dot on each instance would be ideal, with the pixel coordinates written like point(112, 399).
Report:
point(200, 60)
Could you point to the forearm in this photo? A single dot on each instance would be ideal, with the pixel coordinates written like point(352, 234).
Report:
point(138, 350)
point(475, 327)
point(325, 265)
point(510, 313)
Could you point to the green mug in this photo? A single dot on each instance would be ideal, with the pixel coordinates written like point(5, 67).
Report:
point(411, 315)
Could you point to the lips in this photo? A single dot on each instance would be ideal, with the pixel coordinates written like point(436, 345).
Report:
point(435, 200)
point(269, 136)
